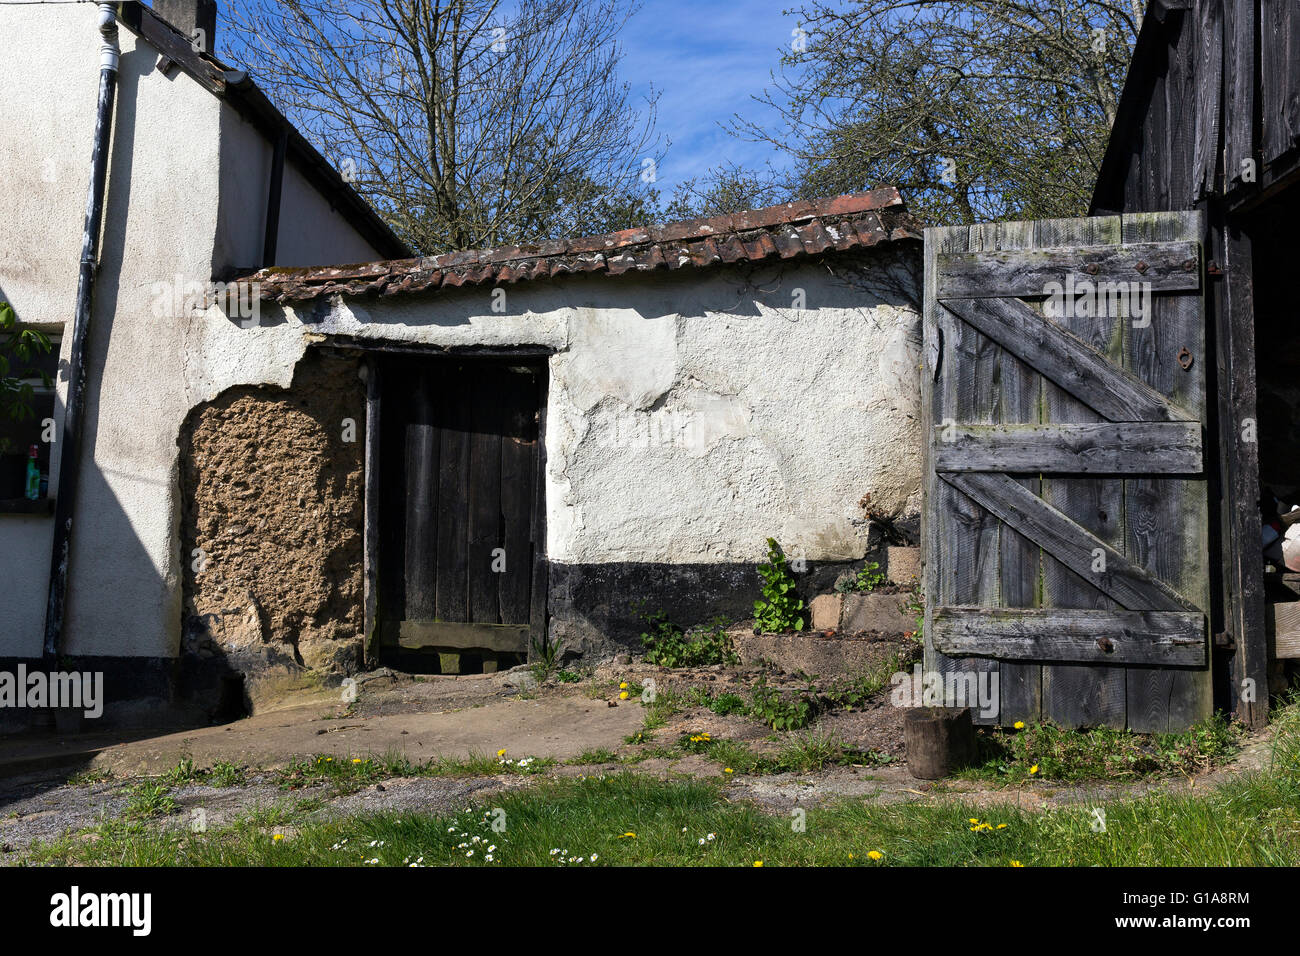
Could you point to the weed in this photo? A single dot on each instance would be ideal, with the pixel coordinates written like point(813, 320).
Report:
point(781, 608)
point(226, 774)
point(780, 712)
point(695, 742)
point(149, 799)
point(546, 656)
point(1047, 752)
point(1250, 820)
point(727, 703)
point(856, 690)
point(868, 578)
point(662, 705)
point(596, 755)
point(90, 777)
point(182, 773)
point(668, 645)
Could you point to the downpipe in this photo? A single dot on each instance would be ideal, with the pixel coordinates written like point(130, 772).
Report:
point(74, 405)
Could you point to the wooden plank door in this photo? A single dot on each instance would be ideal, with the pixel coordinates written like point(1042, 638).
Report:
point(1066, 515)
point(460, 507)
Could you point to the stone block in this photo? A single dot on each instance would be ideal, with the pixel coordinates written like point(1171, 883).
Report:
point(812, 653)
point(903, 565)
point(886, 613)
point(825, 610)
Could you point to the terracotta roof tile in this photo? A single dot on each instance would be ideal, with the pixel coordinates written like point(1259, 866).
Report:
point(806, 227)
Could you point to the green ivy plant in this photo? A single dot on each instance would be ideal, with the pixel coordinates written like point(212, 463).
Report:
point(781, 608)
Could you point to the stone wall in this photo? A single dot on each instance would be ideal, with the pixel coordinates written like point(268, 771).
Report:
point(272, 492)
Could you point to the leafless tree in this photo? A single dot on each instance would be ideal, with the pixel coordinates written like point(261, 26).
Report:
point(977, 109)
point(468, 123)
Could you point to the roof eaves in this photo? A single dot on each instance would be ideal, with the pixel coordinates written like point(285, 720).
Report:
point(840, 224)
point(237, 88)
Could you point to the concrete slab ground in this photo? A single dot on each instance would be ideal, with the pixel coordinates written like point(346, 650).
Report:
point(559, 727)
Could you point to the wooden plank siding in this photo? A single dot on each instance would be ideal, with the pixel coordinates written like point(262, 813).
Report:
point(1279, 85)
point(1169, 516)
point(1209, 120)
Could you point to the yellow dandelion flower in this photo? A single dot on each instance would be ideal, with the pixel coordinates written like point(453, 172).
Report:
point(1016, 863)
point(727, 770)
point(356, 760)
point(758, 862)
point(622, 695)
point(1034, 769)
point(876, 855)
point(501, 752)
point(974, 820)
point(277, 838)
point(1002, 826)
point(1019, 725)
point(623, 686)
point(627, 835)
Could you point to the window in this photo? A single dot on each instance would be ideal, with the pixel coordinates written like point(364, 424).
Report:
point(18, 435)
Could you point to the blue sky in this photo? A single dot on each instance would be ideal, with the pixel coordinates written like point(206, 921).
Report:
point(707, 57)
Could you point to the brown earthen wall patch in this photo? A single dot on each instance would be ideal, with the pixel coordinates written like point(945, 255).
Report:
point(273, 499)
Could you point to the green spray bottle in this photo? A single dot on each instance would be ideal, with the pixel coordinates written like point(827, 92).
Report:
point(33, 490)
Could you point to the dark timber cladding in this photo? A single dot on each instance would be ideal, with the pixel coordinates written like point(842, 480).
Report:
point(1209, 120)
point(459, 505)
point(1066, 517)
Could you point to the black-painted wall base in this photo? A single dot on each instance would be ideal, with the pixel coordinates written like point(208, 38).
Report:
point(139, 692)
point(595, 609)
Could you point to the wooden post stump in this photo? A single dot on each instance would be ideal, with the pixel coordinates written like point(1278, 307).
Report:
point(939, 740)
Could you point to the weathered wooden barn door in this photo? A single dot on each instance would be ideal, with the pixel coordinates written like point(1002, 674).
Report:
point(460, 510)
point(1066, 514)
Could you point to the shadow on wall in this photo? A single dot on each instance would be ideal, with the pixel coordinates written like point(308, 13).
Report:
point(116, 587)
point(271, 527)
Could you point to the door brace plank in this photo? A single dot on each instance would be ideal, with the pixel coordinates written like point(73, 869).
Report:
point(1069, 542)
point(1166, 266)
point(1156, 448)
point(1066, 360)
point(1160, 638)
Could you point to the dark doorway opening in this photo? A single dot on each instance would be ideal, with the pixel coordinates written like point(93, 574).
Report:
point(1275, 249)
point(461, 582)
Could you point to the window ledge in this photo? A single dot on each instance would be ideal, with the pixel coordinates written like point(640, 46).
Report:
point(25, 506)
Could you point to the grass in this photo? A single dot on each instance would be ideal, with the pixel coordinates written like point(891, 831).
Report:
point(802, 753)
point(1251, 820)
point(596, 755)
point(628, 819)
point(348, 774)
point(149, 800)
